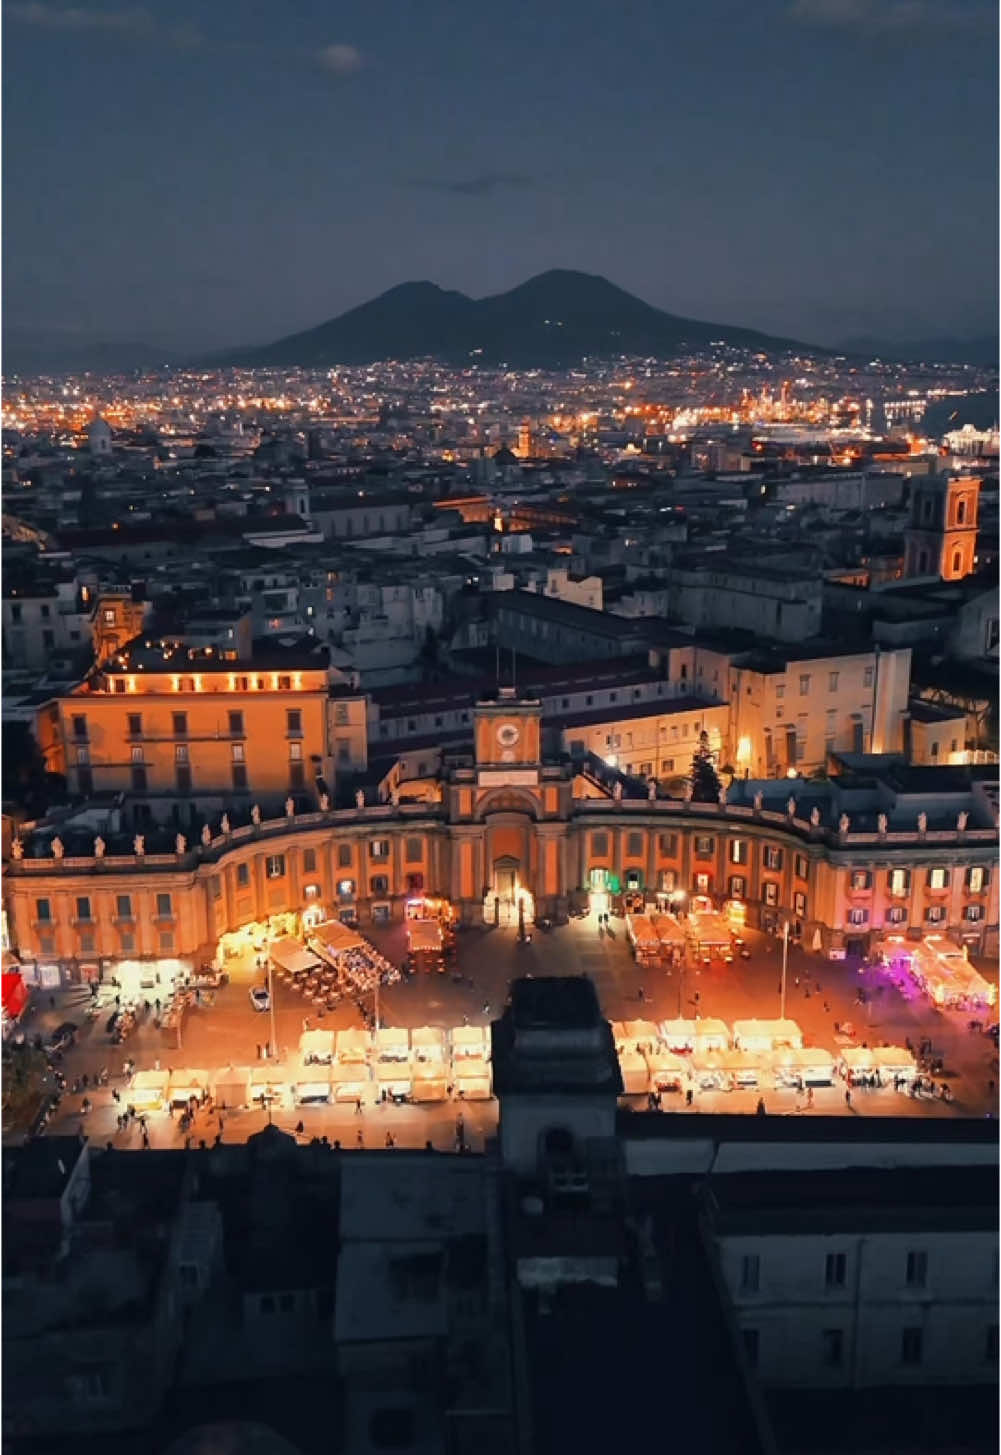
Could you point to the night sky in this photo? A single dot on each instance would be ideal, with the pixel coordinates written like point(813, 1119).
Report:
point(199, 174)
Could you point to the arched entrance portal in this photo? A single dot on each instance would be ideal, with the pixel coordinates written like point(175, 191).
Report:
point(508, 901)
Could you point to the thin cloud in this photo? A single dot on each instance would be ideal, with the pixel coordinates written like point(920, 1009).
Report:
point(893, 15)
point(135, 22)
point(340, 60)
point(480, 185)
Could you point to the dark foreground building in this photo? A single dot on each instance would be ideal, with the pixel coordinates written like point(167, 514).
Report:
point(596, 1279)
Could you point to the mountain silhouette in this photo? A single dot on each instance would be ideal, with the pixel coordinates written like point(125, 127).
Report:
point(553, 320)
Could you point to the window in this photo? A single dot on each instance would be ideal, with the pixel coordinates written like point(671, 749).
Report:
point(236, 724)
point(295, 752)
point(738, 886)
point(239, 775)
point(832, 681)
point(666, 881)
point(135, 725)
point(123, 906)
point(599, 845)
point(378, 849)
point(136, 755)
point(341, 714)
point(346, 888)
point(804, 685)
point(85, 780)
point(896, 915)
point(180, 752)
point(911, 1346)
point(834, 1270)
point(83, 909)
point(976, 879)
point(43, 911)
point(139, 782)
point(238, 753)
point(183, 776)
point(772, 857)
point(936, 914)
point(917, 1270)
point(378, 884)
point(275, 866)
point(899, 881)
point(801, 867)
point(780, 690)
point(412, 851)
point(973, 912)
point(771, 893)
point(309, 861)
point(705, 847)
point(634, 845)
point(832, 1342)
point(293, 722)
point(739, 851)
point(180, 724)
point(938, 879)
point(297, 775)
point(167, 941)
point(861, 879)
point(868, 676)
point(82, 757)
point(242, 876)
point(215, 887)
point(164, 908)
point(79, 727)
point(668, 845)
point(858, 917)
point(750, 1337)
point(344, 856)
point(799, 905)
point(750, 1270)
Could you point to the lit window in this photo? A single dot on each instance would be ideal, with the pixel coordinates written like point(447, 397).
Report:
point(275, 866)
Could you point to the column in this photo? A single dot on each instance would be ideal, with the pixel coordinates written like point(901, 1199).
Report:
point(652, 835)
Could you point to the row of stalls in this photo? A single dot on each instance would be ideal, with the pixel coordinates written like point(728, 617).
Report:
point(707, 1055)
point(942, 971)
point(430, 934)
point(708, 932)
point(656, 939)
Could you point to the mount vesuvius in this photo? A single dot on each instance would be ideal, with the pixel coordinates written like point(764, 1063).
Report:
point(551, 321)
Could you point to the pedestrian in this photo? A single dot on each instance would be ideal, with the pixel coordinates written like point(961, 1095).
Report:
point(157, 1004)
point(796, 982)
point(221, 1122)
point(759, 1110)
point(848, 1097)
point(689, 1097)
point(641, 994)
point(359, 1138)
point(114, 1094)
point(305, 1023)
point(300, 1128)
point(52, 1002)
point(357, 1106)
point(156, 1065)
point(486, 1007)
point(145, 1141)
point(389, 1140)
point(170, 1110)
point(809, 1097)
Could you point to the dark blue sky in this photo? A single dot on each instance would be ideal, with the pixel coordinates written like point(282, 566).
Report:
point(212, 173)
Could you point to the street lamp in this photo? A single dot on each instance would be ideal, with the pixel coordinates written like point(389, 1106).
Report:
point(273, 1048)
point(785, 966)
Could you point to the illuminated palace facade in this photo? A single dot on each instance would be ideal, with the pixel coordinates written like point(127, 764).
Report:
point(496, 824)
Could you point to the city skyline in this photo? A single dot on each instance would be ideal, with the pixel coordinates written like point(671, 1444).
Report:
point(789, 170)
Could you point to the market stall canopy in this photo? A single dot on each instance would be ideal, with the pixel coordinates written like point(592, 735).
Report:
point(858, 1058)
point(313, 1076)
point(316, 1043)
point(711, 1034)
point(665, 1063)
point(15, 995)
point(428, 1038)
point(806, 1058)
point(430, 1088)
point(335, 937)
point(667, 929)
point(678, 1033)
point(740, 1061)
point(766, 1034)
point(231, 1086)
point(642, 1032)
point(635, 1073)
point(354, 1073)
point(395, 1073)
point(424, 934)
point(155, 1081)
point(641, 931)
point(708, 928)
point(189, 1083)
point(470, 1040)
point(266, 1078)
point(290, 955)
point(353, 1044)
point(896, 1060)
point(392, 1038)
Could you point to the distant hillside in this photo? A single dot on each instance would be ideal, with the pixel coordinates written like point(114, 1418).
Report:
point(982, 351)
point(51, 351)
point(550, 321)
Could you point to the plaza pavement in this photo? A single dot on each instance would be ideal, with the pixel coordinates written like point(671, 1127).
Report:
point(819, 993)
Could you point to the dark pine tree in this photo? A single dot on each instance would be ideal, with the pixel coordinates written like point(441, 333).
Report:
point(704, 778)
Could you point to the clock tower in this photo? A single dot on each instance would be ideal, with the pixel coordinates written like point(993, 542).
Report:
point(508, 736)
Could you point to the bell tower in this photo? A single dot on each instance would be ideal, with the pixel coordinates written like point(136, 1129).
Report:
point(508, 736)
point(941, 537)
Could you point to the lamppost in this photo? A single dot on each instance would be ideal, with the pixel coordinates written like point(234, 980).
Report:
point(785, 966)
point(677, 900)
point(273, 1048)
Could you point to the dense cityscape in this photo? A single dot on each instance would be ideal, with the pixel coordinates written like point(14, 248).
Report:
point(499, 630)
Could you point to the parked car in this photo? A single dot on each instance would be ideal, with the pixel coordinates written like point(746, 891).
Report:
point(259, 997)
point(63, 1036)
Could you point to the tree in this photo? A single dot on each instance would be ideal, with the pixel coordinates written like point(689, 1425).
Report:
point(704, 778)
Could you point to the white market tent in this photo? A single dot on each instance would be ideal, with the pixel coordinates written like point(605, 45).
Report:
point(149, 1088)
point(679, 1035)
point(858, 1060)
point(424, 936)
point(269, 1082)
point(635, 1073)
point(711, 1035)
point(186, 1084)
point(290, 955)
point(392, 1042)
point(642, 935)
point(743, 1068)
point(350, 1080)
point(708, 1070)
point(807, 1066)
point(231, 1087)
point(893, 1061)
point(430, 1081)
point(317, 1045)
point(394, 1077)
point(353, 1045)
point(764, 1036)
point(665, 1069)
point(428, 1043)
point(669, 931)
point(313, 1083)
point(470, 1041)
point(641, 1033)
point(472, 1078)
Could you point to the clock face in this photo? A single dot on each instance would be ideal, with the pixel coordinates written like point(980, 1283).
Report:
point(508, 734)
